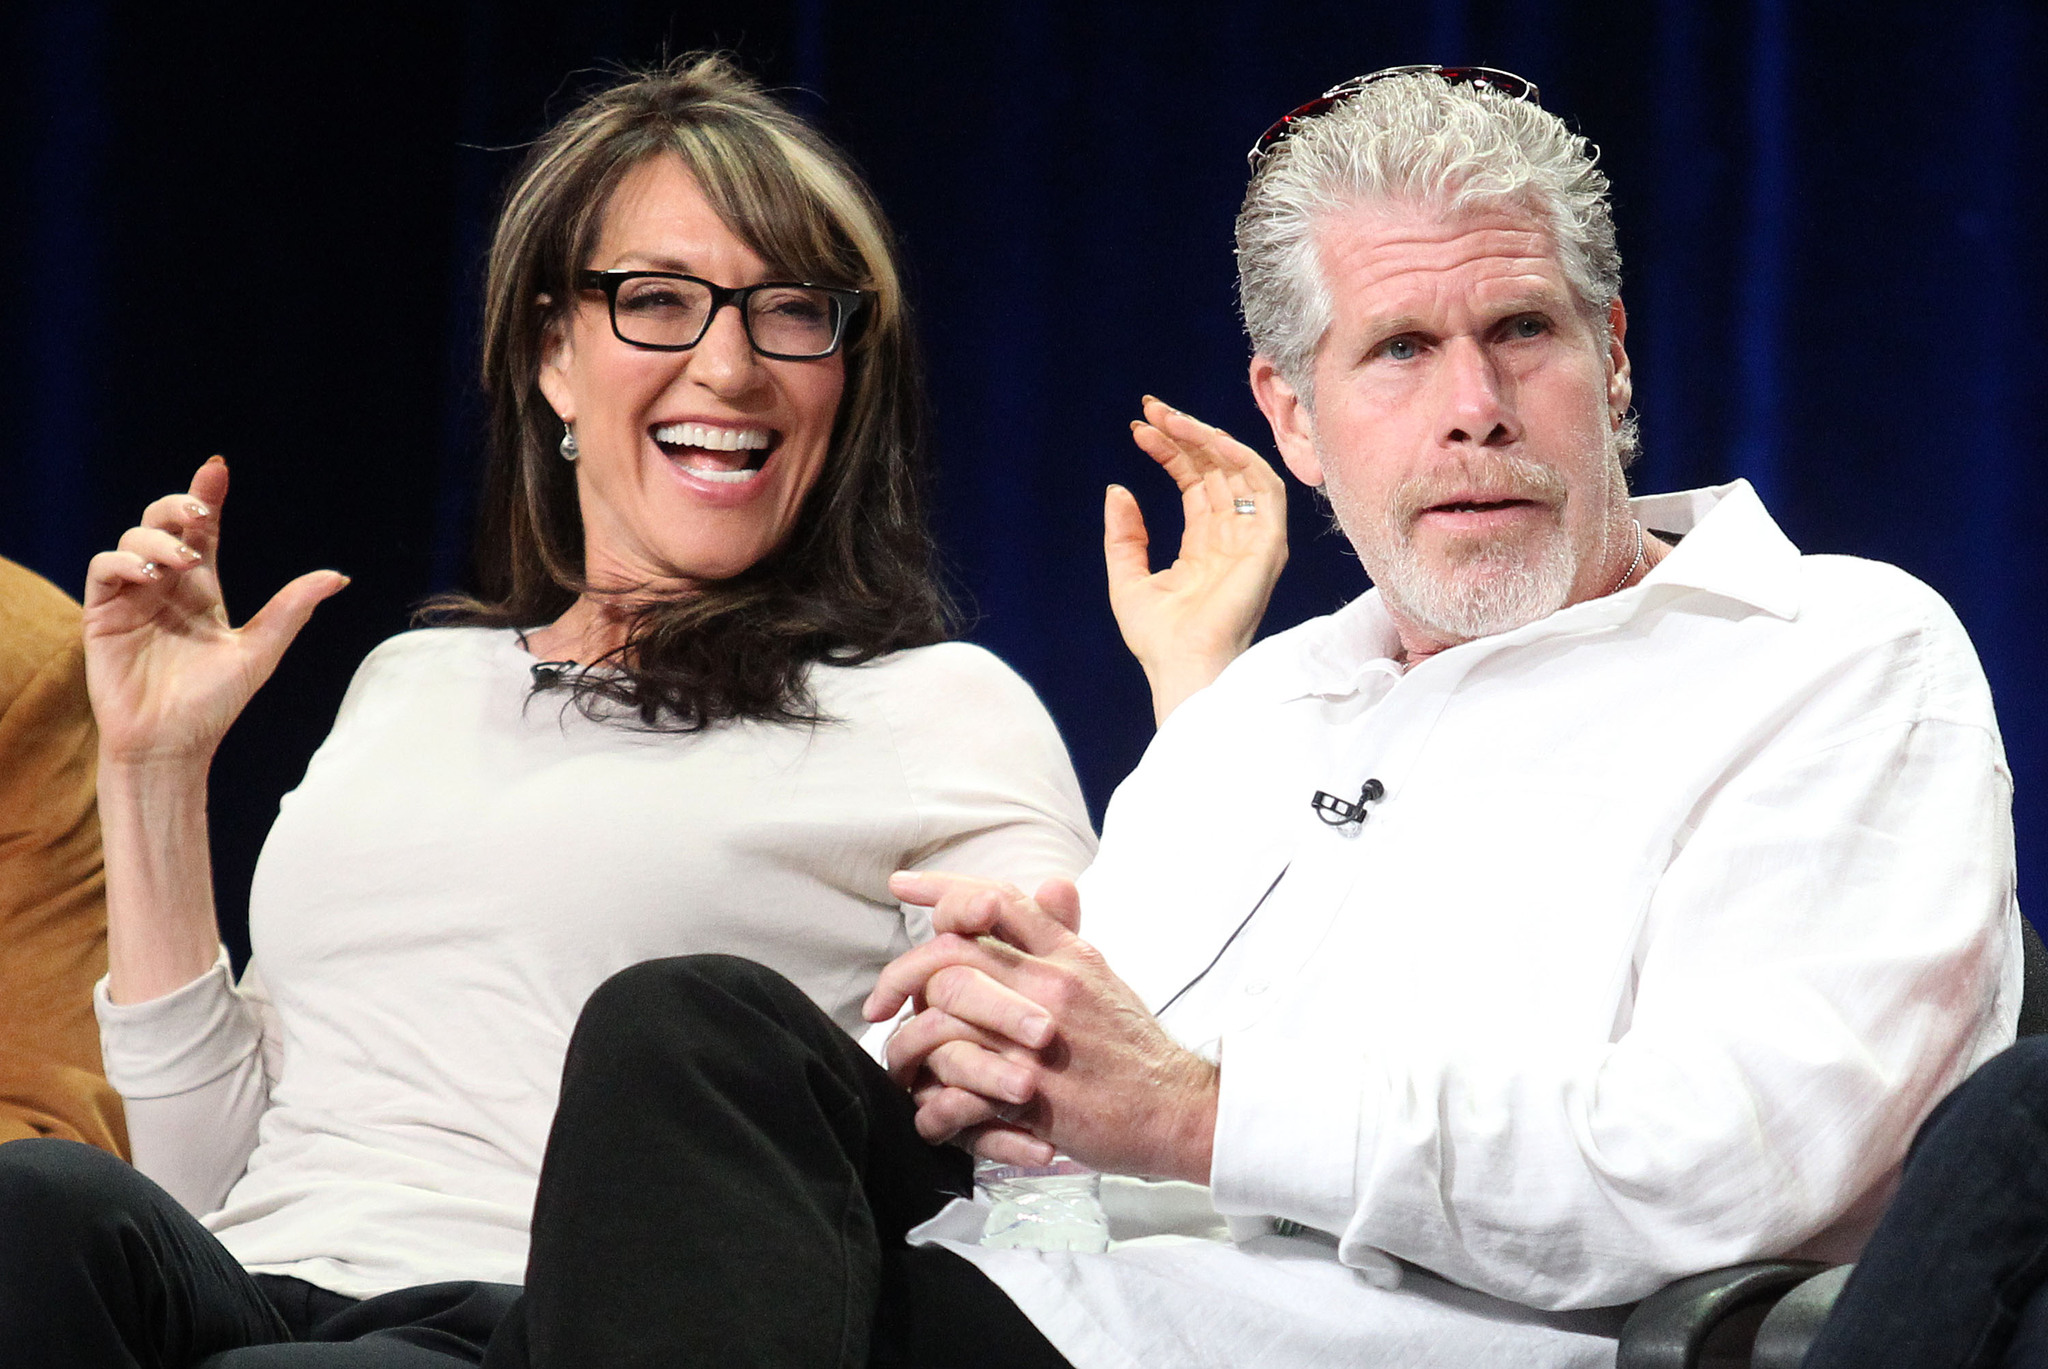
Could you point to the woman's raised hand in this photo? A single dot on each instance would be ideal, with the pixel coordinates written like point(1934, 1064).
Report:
point(1188, 621)
point(167, 672)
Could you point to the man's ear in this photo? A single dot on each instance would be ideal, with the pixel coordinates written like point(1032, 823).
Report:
point(557, 355)
point(1620, 384)
point(1294, 431)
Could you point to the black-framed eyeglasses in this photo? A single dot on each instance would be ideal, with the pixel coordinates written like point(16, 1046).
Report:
point(666, 311)
point(1483, 78)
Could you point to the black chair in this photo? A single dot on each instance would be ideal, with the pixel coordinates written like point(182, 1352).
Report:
point(1766, 1313)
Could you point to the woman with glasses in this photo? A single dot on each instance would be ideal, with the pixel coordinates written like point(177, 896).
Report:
point(704, 703)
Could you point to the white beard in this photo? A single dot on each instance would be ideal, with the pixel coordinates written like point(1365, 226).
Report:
point(1479, 587)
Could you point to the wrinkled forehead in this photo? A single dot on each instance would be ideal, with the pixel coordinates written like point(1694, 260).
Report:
point(1386, 257)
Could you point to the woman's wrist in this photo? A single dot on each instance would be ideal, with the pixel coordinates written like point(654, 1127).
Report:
point(161, 932)
point(153, 769)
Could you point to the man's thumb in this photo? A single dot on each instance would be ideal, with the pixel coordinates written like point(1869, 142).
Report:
point(1125, 543)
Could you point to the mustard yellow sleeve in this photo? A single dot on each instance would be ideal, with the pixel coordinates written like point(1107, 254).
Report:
point(53, 915)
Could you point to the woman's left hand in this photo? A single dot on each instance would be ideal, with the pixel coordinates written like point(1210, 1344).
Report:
point(1188, 621)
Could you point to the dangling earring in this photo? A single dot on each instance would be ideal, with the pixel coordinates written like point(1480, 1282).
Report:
point(570, 451)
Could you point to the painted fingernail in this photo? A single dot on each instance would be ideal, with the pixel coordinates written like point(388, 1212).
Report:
point(187, 552)
point(152, 570)
point(195, 509)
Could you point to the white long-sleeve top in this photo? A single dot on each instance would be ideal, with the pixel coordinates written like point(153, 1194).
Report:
point(1681, 909)
point(465, 862)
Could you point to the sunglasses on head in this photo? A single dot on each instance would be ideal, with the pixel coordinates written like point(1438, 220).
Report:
point(1482, 78)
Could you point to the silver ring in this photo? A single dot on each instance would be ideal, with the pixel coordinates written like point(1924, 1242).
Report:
point(1243, 505)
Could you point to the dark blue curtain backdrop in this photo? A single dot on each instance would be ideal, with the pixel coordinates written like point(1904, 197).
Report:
point(257, 230)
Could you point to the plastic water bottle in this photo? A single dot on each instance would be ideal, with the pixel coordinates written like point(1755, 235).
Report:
point(1043, 1207)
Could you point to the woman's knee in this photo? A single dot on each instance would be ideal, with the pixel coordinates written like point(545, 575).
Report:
point(45, 1179)
point(715, 1016)
point(65, 1192)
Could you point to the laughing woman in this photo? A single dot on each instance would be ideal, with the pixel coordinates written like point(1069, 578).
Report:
point(704, 704)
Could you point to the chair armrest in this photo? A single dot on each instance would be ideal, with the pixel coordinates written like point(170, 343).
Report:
point(1670, 1328)
point(1788, 1331)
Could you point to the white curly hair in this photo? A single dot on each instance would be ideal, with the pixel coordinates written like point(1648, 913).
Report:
point(1416, 141)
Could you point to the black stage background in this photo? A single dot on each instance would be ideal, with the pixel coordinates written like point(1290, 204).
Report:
point(257, 230)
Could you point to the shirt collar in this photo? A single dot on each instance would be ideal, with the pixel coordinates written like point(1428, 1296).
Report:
point(1732, 548)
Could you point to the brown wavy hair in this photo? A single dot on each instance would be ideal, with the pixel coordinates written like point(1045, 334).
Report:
point(855, 578)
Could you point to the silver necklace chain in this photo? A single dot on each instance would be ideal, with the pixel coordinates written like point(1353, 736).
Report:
point(1634, 565)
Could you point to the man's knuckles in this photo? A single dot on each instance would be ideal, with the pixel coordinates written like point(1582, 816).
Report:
point(975, 910)
point(1061, 989)
point(957, 1064)
point(953, 988)
point(972, 1065)
point(908, 973)
point(945, 1112)
point(921, 1035)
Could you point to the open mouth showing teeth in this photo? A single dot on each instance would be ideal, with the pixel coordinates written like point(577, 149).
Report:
point(726, 456)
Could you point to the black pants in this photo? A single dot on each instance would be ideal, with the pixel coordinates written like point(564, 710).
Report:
point(728, 1182)
point(99, 1267)
point(1956, 1275)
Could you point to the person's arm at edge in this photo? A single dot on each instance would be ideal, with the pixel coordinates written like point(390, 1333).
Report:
point(52, 898)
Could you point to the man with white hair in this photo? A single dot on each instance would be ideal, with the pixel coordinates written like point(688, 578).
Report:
point(1572, 913)
point(1604, 897)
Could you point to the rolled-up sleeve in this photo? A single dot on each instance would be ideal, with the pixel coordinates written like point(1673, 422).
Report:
point(191, 1067)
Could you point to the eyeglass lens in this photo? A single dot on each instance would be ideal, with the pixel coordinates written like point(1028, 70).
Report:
point(787, 320)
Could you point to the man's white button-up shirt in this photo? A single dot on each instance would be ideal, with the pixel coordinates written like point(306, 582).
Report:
point(1679, 910)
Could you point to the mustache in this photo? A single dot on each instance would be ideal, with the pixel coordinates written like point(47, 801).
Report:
point(1488, 478)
